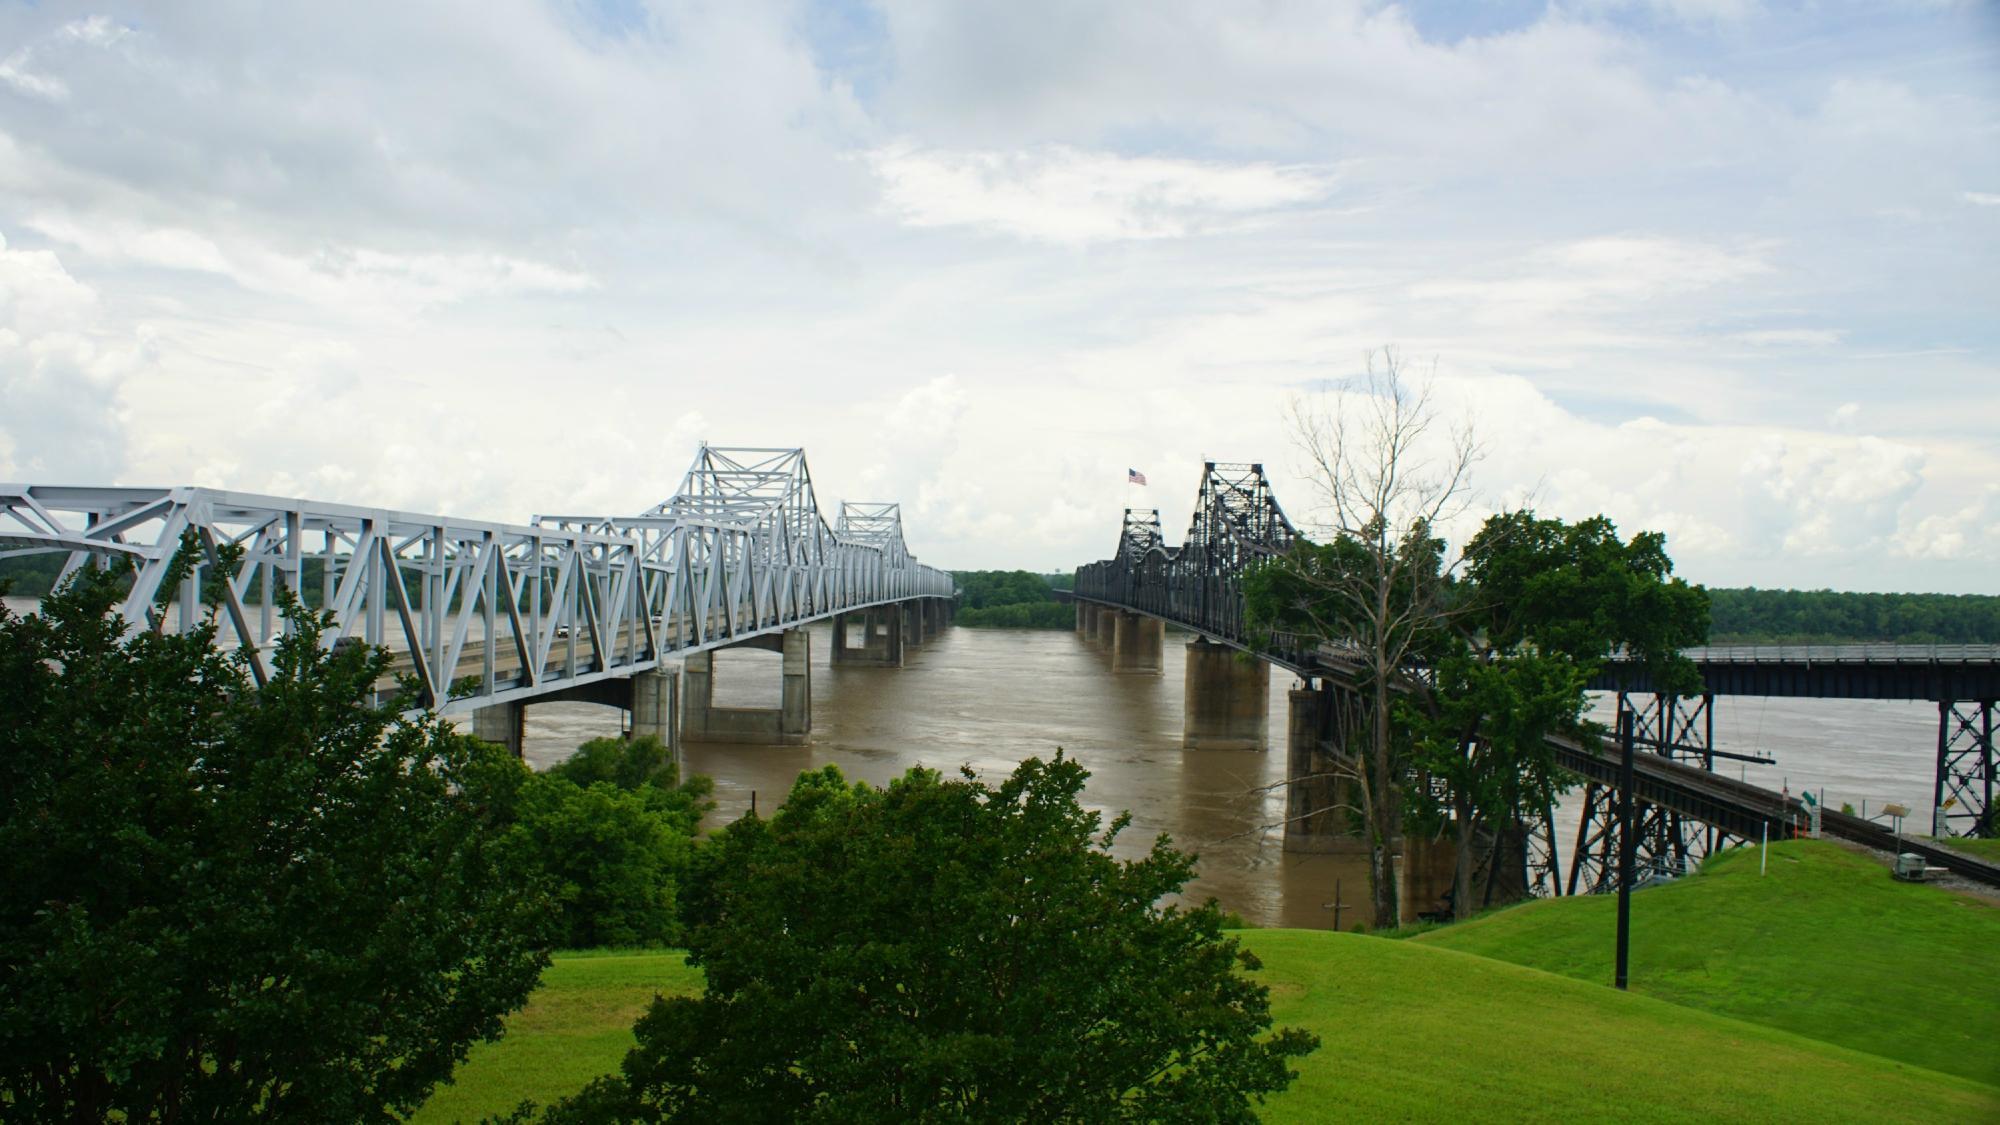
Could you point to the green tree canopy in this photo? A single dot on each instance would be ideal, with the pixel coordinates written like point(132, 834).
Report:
point(613, 829)
point(946, 950)
point(1578, 592)
point(1543, 604)
point(219, 902)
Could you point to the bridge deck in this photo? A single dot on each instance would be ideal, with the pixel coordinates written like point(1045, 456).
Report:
point(1879, 671)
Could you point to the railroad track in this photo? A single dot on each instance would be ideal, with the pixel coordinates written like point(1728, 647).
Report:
point(1746, 810)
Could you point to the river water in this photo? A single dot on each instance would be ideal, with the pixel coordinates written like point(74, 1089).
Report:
point(988, 698)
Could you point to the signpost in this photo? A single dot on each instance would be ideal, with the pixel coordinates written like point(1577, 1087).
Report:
point(1625, 843)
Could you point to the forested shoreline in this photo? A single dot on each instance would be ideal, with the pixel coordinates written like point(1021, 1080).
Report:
point(1752, 616)
point(1012, 599)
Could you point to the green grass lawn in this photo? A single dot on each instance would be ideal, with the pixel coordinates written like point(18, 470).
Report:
point(1824, 944)
point(577, 1026)
point(1410, 1032)
point(1415, 1032)
point(1985, 849)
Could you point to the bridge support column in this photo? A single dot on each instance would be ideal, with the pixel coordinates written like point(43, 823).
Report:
point(880, 632)
point(1225, 701)
point(501, 724)
point(1430, 867)
point(1086, 620)
point(911, 614)
point(1966, 762)
point(656, 701)
point(1138, 645)
point(1679, 729)
point(1107, 626)
point(788, 724)
point(1319, 780)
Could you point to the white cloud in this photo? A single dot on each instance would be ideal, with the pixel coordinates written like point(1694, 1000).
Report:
point(60, 373)
point(1982, 198)
point(1963, 534)
point(330, 274)
point(1698, 13)
point(1063, 195)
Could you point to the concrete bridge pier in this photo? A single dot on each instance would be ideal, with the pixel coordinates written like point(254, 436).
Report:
point(1107, 625)
point(912, 615)
point(788, 724)
point(1086, 620)
point(502, 724)
point(1138, 644)
point(1226, 699)
point(656, 705)
point(880, 633)
point(1319, 779)
point(1430, 867)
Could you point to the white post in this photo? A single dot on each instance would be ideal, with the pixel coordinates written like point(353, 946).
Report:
point(1764, 848)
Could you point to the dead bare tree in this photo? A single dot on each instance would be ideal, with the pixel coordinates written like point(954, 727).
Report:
point(1389, 475)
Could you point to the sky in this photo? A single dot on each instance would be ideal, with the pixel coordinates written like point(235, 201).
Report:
point(1726, 269)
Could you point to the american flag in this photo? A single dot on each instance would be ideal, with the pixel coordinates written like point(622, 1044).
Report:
point(1134, 476)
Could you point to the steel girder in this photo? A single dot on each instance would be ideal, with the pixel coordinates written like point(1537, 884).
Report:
point(1665, 841)
point(506, 612)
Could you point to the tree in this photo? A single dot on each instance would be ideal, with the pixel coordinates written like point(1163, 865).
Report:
point(1547, 603)
point(1377, 583)
point(1543, 605)
point(946, 950)
point(613, 829)
point(219, 902)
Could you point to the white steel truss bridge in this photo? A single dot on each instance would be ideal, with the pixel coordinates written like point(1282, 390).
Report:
point(486, 613)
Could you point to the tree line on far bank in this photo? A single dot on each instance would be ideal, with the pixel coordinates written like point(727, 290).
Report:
point(1012, 599)
point(1753, 616)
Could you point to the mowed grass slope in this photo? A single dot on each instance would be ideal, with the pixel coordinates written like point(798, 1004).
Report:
point(1414, 1032)
point(1409, 1032)
point(1824, 944)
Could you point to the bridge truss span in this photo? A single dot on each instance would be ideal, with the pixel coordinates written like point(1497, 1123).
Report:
point(1237, 523)
point(481, 612)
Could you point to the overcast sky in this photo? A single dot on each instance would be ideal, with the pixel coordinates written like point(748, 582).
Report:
point(1722, 268)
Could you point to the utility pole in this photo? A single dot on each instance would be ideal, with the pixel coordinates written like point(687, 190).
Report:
point(1626, 843)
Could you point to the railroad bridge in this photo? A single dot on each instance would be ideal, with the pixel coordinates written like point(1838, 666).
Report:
point(488, 618)
point(1685, 809)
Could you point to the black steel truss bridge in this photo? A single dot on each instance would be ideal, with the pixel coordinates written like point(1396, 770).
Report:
point(1684, 808)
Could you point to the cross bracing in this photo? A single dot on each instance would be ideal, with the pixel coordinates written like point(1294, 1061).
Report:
point(482, 612)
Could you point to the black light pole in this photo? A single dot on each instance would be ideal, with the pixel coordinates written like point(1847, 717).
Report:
point(1625, 843)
